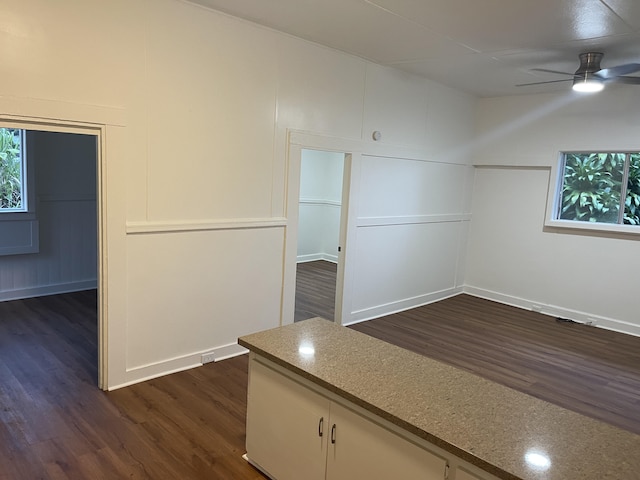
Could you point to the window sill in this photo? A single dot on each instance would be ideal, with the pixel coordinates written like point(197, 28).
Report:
point(606, 228)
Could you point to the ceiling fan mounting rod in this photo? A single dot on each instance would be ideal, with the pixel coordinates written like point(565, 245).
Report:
point(589, 63)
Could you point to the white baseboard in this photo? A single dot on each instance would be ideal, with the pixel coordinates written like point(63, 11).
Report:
point(314, 257)
point(228, 351)
point(177, 364)
point(159, 369)
point(556, 311)
point(44, 290)
point(400, 306)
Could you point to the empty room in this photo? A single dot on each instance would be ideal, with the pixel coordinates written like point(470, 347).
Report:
point(453, 187)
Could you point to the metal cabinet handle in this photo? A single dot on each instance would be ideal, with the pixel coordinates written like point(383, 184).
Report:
point(321, 427)
point(333, 434)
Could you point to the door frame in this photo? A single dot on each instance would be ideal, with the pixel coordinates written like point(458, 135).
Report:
point(98, 131)
point(298, 141)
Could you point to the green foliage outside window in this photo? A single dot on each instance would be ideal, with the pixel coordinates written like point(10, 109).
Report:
point(592, 188)
point(632, 202)
point(10, 169)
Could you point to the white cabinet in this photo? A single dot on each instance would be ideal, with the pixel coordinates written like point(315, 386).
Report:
point(363, 449)
point(294, 432)
point(286, 426)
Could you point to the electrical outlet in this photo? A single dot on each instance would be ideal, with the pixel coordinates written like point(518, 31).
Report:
point(208, 357)
point(536, 308)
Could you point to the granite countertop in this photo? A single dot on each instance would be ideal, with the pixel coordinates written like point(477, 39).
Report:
point(489, 425)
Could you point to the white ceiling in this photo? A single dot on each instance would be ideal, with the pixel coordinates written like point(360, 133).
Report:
point(484, 47)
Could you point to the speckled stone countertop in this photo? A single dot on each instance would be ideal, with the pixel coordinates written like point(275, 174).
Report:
point(482, 422)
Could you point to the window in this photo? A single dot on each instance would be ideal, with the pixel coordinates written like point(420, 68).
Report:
point(599, 188)
point(19, 226)
point(12, 171)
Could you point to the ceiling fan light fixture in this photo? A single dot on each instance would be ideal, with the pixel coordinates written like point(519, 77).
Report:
point(587, 84)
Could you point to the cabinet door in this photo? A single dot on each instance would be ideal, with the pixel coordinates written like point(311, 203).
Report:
point(363, 449)
point(284, 426)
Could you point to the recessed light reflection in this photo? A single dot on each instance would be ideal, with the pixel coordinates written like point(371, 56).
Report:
point(306, 349)
point(537, 460)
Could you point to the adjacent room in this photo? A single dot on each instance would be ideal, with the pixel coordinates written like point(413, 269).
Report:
point(457, 179)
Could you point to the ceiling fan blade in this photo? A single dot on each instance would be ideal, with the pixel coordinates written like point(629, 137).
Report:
point(607, 73)
point(627, 80)
point(542, 83)
point(552, 71)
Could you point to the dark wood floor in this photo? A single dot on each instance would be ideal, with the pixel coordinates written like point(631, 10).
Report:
point(56, 424)
point(585, 369)
point(589, 370)
point(315, 290)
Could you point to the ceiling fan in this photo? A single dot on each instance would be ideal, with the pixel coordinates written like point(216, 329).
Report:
point(589, 77)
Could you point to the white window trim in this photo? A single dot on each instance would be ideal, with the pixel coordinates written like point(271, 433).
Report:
point(553, 197)
point(30, 243)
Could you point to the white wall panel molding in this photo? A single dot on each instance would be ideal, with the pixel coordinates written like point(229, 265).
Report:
point(556, 311)
point(135, 228)
point(400, 306)
point(63, 116)
point(367, 148)
point(412, 219)
point(506, 163)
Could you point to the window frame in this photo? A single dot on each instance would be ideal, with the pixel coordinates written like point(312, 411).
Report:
point(28, 211)
point(23, 222)
point(24, 175)
point(554, 198)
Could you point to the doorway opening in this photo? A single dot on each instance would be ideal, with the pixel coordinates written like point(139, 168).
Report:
point(320, 218)
point(51, 261)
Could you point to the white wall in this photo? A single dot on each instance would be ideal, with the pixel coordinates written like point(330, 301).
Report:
point(319, 206)
point(412, 225)
point(512, 257)
point(64, 166)
point(197, 106)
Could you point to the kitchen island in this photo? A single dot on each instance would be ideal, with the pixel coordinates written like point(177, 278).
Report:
point(316, 388)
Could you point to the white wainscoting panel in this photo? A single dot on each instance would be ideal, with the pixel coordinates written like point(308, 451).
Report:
point(220, 283)
point(397, 263)
point(411, 231)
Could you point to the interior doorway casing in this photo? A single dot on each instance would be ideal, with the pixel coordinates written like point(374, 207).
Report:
point(297, 143)
point(97, 131)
